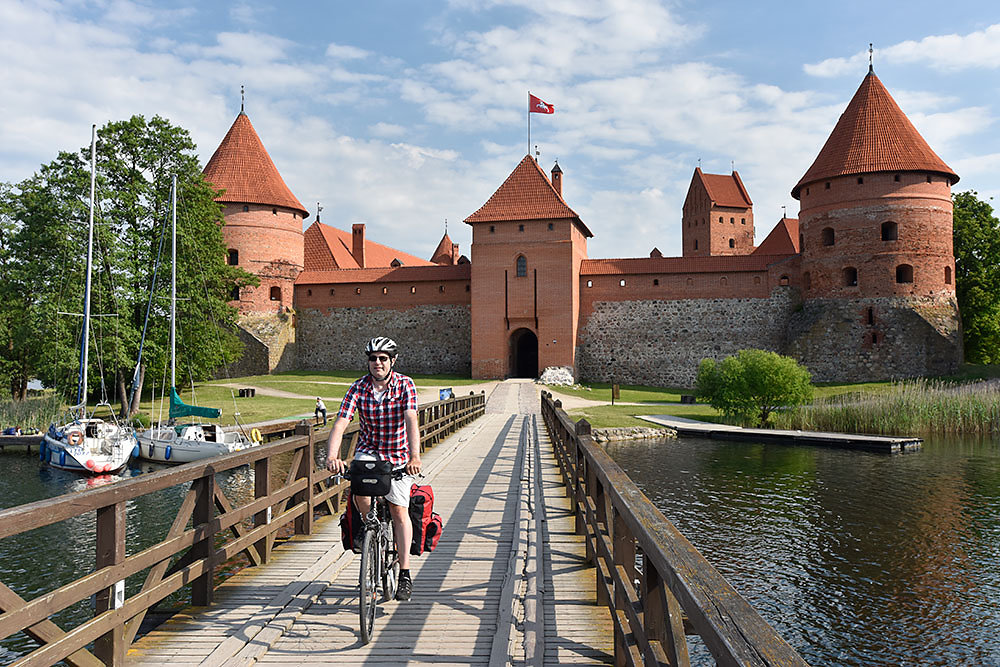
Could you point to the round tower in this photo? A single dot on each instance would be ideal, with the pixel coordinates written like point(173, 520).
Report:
point(878, 270)
point(263, 230)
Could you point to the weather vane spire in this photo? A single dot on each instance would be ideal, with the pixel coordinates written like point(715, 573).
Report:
point(243, 98)
point(871, 68)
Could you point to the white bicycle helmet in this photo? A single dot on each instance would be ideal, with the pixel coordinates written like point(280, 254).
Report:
point(382, 344)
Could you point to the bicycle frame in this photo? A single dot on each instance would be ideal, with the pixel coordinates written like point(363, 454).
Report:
point(379, 565)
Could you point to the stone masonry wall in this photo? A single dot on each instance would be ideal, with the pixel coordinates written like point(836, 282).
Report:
point(661, 343)
point(858, 340)
point(432, 338)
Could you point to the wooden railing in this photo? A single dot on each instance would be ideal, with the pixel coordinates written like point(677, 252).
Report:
point(658, 587)
point(186, 555)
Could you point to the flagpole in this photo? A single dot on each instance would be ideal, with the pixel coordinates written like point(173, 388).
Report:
point(529, 123)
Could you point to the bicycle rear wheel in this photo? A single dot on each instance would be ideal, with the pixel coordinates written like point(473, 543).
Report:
point(368, 599)
point(390, 566)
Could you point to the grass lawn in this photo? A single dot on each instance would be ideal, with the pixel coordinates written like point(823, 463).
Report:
point(629, 393)
point(613, 416)
point(256, 409)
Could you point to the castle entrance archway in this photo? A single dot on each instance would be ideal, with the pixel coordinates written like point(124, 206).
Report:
point(524, 354)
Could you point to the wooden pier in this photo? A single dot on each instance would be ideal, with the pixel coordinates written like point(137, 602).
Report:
point(884, 444)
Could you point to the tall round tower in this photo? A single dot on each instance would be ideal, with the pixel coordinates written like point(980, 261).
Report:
point(263, 230)
point(876, 249)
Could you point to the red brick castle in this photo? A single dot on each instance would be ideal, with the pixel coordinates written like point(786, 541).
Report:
point(860, 287)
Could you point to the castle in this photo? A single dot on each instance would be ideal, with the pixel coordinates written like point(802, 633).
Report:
point(859, 287)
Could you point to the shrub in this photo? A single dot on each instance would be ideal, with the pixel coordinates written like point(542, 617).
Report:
point(753, 384)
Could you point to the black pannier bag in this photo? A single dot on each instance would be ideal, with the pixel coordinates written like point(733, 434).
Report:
point(370, 478)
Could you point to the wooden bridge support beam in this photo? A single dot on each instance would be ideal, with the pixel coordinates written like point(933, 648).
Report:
point(204, 509)
point(111, 646)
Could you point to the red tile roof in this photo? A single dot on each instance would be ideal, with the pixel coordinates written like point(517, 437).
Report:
point(717, 264)
point(725, 190)
point(242, 167)
point(428, 273)
point(327, 248)
point(783, 239)
point(873, 134)
point(527, 194)
point(444, 251)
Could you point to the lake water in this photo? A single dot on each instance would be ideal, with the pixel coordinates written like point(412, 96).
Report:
point(854, 558)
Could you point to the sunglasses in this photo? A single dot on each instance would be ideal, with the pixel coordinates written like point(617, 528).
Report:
point(378, 357)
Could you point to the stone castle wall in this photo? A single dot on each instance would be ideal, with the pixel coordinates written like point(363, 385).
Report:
point(859, 340)
point(661, 342)
point(432, 338)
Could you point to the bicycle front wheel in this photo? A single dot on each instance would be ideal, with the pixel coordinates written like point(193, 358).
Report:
point(390, 565)
point(369, 585)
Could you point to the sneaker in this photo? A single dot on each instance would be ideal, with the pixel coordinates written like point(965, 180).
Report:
point(404, 588)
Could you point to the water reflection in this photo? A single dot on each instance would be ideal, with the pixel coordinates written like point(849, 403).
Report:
point(855, 558)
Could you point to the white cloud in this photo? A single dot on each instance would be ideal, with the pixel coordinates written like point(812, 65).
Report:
point(947, 53)
point(387, 130)
point(345, 52)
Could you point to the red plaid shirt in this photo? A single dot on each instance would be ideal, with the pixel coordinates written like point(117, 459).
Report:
point(383, 429)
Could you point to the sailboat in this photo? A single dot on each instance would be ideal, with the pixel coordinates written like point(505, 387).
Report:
point(85, 444)
point(183, 443)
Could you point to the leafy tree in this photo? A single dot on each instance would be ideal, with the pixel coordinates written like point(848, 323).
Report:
point(135, 161)
point(753, 384)
point(977, 277)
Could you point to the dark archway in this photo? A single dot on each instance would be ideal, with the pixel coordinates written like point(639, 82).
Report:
point(523, 354)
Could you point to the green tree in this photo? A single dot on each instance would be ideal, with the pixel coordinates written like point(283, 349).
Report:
point(135, 161)
point(977, 276)
point(753, 384)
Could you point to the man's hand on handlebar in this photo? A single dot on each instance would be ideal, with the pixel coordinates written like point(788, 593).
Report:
point(414, 465)
point(336, 465)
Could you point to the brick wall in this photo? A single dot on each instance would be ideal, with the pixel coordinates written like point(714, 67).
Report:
point(269, 242)
point(661, 342)
point(432, 338)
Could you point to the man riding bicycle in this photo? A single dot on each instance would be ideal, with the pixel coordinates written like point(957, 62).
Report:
point(386, 402)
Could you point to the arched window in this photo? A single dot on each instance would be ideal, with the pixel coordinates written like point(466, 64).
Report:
point(904, 273)
point(690, 281)
point(275, 293)
point(807, 282)
point(309, 292)
point(850, 276)
point(385, 290)
point(869, 316)
point(720, 218)
point(947, 275)
point(246, 209)
point(235, 294)
point(756, 280)
point(522, 266)
point(783, 280)
point(732, 221)
point(234, 257)
point(732, 243)
point(656, 281)
point(590, 283)
point(621, 283)
point(827, 235)
point(890, 231)
point(274, 211)
point(696, 244)
point(723, 280)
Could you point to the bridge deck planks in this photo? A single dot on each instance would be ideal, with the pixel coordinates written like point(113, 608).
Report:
point(458, 589)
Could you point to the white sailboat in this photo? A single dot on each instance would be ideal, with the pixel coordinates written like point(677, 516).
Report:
point(183, 443)
point(88, 445)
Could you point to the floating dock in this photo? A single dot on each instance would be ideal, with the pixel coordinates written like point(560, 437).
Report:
point(885, 444)
point(20, 443)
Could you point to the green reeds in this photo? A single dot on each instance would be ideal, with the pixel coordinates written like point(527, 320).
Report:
point(31, 413)
point(904, 408)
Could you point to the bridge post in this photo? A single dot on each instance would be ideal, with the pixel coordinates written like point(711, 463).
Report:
point(110, 647)
point(204, 509)
point(623, 564)
point(262, 489)
point(303, 523)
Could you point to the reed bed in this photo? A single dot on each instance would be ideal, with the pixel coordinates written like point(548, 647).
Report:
point(31, 413)
point(903, 408)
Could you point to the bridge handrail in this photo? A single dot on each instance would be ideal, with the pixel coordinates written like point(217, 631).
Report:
point(630, 542)
point(116, 623)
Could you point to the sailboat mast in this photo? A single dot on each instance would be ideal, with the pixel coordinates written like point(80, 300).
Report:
point(81, 393)
point(173, 277)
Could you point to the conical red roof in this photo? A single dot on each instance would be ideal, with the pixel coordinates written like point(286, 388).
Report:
point(873, 134)
point(443, 252)
point(527, 194)
point(242, 167)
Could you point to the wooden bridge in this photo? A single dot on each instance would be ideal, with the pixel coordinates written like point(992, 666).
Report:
point(550, 555)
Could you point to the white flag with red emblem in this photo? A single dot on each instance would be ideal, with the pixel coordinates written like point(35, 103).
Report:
point(536, 105)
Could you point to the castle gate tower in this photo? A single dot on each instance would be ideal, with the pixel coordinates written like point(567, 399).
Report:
point(263, 235)
point(527, 246)
point(876, 246)
point(718, 216)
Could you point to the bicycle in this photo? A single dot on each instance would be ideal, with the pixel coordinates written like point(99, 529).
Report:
point(379, 560)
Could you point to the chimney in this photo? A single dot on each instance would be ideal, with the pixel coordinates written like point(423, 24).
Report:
point(557, 179)
point(454, 253)
point(358, 243)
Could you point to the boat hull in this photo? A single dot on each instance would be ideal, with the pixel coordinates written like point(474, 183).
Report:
point(92, 456)
point(166, 445)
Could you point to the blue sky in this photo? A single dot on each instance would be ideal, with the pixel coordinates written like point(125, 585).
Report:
point(404, 114)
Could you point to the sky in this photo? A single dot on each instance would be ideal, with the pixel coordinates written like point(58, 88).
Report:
point(404, 115)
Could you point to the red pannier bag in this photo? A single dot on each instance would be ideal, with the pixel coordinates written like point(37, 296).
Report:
point(427, 524)
point(351, 534)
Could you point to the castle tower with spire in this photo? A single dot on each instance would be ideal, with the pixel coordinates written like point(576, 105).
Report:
point(877, 264)
point(263, 235)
